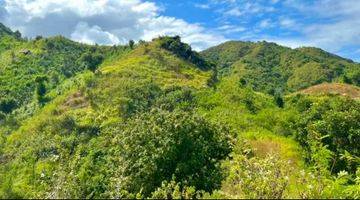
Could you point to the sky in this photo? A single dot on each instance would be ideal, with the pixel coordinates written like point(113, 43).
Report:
point(333, 25)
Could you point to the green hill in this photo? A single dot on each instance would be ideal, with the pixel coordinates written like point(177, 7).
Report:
point(88, 111)
point(157, 120)
point(270, 68)
point(31, 72)
point(5, 31)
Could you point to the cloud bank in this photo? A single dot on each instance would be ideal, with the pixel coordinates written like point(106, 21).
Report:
point(329, 24)
point(101, 21)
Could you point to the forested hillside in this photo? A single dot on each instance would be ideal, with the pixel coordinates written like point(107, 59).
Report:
point(270, 68)
point(159, 120)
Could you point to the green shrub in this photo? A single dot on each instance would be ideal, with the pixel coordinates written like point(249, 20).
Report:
point(336, 122)
point(173, 190)
point(257, 178)
point(161, 145)
point(7, 105)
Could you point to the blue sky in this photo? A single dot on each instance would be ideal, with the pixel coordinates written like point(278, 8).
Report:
point(333, 25)
point(328, 24)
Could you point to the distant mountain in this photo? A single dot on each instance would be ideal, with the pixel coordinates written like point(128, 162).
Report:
point(270, 68)
point(4, 30)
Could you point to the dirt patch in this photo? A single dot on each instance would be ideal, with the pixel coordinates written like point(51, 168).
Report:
point(262, 148)
point(76, 101)
point(334, 88)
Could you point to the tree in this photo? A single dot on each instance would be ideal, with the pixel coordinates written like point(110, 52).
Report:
point(211, 82)
point(131, 44)
point(279, 100)
point(40, 90)
point(335, 122)
point(141, 42)
point(174, 45)
point(7, 105)
point(50, 44)
point(160, 146)
point(12, 56)
point(257, 178)
point(91, 60)
point(38, 37)
point(242, 82)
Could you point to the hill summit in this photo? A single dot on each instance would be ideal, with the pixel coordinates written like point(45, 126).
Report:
point(268, 67)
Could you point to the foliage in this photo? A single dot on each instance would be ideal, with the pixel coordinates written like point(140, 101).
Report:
point(160, 145)
point(174, 45)
point(173, 190)
point(156, 120)
point(7, 105)
point(131, 44)
point(91, 60)
point(255, 178)
point(335, 121)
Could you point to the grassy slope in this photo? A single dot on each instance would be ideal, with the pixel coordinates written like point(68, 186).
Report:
point(57, 59)
point(258, 123)
point(79, 116)
point(90, 104)
point(61, 139)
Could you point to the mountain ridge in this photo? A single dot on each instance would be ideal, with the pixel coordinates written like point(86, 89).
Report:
point(268, 66)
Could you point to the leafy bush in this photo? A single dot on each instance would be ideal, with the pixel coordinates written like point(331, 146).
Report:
point(161, 145)
point(138, 99)
point(91, 60)
point(336, 122)
point(257, 178)
point(143, 97)
point(173, 190)
point(7, 105)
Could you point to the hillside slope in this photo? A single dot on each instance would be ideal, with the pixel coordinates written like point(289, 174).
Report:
point(5, 31)
point(32, 71)
point(86, 115)
point(156, 120)
point(270, 68)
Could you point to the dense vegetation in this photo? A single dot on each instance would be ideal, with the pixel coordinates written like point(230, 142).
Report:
point(158, 120)
point(270, 68)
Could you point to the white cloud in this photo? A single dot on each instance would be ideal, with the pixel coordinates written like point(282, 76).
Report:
point(101, 21)
point(234, 12)
point(289, 42)
point(287, 22)
point(91, 35)
point(228, 29)
point(339, 26)
point(191, 33)
point(335, 35)
point(266, 23)
point(243, 9)
point(202, 6)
